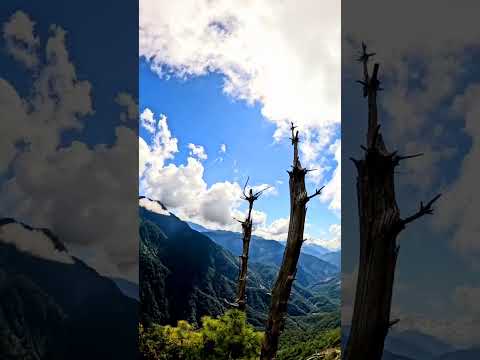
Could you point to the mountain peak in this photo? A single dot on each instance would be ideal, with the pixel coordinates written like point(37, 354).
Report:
point(153, 205)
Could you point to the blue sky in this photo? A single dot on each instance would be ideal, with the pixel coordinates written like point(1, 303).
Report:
point(237, 74)
point(64, 104)
point(199, 112)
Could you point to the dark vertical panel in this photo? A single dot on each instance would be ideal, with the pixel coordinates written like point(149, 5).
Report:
point(427, 53)
point(68, 180)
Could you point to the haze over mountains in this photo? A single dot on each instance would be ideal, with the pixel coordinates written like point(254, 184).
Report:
point(414, 345)
point(229, 239)
point(54, 306)
point(186, 274)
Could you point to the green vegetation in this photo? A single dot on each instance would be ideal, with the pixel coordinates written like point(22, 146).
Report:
point(314, 344)
point(231, 337)
point(314, 334)
point(227, 337)
point(175, 298)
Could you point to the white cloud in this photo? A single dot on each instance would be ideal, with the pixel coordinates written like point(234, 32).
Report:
point(267, 190)
point(422, 72)
point(35, 243)
point(277, 230)
point(183, 190)
point(223, 148)
point(129, 104)
point(153, 206)
point(332, 192)
point(147, 121)
point(332, 242)
point(163, 146)
point(82, 193)
point(467, 298)
point(197, 151)
point(457, 209)
point(20, 40)
point(292, 71)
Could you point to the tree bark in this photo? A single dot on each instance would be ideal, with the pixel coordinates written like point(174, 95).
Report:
point(242, 277)
point(247, 224)
point(380, 224)
point(286, 275)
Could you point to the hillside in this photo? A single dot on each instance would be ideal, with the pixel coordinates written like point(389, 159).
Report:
point(310, 268)
point(53, 309)
point(185, 275)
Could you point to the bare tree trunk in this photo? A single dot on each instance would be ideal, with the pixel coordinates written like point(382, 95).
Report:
point(247, 235)
point(380, 224)
point(286, 275)
point(242, 277)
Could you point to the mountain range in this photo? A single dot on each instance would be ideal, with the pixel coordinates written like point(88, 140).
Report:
point(185, 274)
point(51, 309)
point(331, 256)
point(415, 345)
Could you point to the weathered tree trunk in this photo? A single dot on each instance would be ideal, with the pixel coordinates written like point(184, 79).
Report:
point(380, 224)
point(247, 225)
point(242, 277)
point(286, 275)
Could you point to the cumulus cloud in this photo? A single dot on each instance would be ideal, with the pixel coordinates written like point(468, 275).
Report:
point(468, 297)
point(277, 230)
point(147, 121)
point(35, 243)
point(422, 72)
point(332, 192)
point(153, 206)
point(223, 148)
point(332, 241)
point(129, 104)
point(292, 71)
point(83, 193)
point(459, 203)
point(163, 146)
point(197, 151)
point(20, 39)
point(183, 189)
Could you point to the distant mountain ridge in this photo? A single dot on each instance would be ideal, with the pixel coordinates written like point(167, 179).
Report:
point(310, 268)
point(318, 251)
point(127, 287)
point(57, 310)
point(415, 345)
point(184, 274)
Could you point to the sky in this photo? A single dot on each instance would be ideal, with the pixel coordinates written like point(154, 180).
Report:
point(219, 85)
point(429, 105)
point(68, 113)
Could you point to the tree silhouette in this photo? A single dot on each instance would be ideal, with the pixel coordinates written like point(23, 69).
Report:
point(247, 225)
point(286, 275)
point(380, 224)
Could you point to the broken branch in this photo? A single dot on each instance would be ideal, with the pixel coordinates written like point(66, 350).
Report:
point(316, 193)
point(424, 210)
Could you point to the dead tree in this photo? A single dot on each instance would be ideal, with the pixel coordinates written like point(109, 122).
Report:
point(286, 275)
point(380, 224)
point(247, 225)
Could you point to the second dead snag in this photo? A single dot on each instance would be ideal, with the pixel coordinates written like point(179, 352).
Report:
point(247, 235)
point(286, 275)
point(380, 224)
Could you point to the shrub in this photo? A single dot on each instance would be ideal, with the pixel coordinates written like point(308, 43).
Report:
point(227, 337)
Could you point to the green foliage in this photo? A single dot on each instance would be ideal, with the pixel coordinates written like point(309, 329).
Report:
point(314, 334)
point(227, 337)
point(323, 342)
